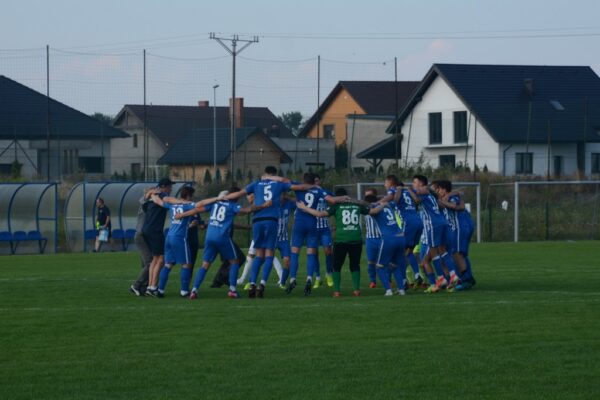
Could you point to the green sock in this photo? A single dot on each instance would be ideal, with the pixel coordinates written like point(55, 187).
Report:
point(356, 280)
point(337, 277)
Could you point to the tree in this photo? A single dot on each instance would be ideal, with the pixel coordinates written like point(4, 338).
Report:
point(341, 156)
point(292, 120)
point(207, 177)
point(107, 119)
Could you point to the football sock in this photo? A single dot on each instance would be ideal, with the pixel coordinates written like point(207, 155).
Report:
point(399, 276)
point(468, 272)
point(233, 272)
point(372, 273)
point(186, 276)
point(431, 278)
point(246, 269)
point(294, 266)
point(337, 279)
point(356, 280)
point(278, 267)
point(412, 260)
point(382, 272)
point(449, 262)
point(311, 263)
point(317, 267)
point(163, 278)
point(329, 263)
point(256, 263)
point(284, 275)
point(199, 278)
point(437, 265)
point(267, 269)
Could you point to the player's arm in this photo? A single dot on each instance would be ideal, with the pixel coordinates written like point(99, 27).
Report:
point(414, 196)
point(107, 221)
point(235, 195)
point(302, 186)
point(174, 200)
point(198, 208)
point(311, 211)
point(275, 178)
point(208, 201)
point(378, 209)
point(254, 208)
point(336, 199)
point(157, 200)
point(452, 205)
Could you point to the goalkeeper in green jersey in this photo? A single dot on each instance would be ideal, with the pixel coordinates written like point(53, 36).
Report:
point(348, 238)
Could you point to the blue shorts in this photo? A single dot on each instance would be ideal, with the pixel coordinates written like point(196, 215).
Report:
point(303, 232)
point(424, 250)
point(436, 235)
point(391, 250)
point(177, 251)
point(463, 239)
point(324, 237)
point(412, 232)
point(372, 245)
point(264, 234)
point(450, 242)
point(284, 248)
point(224, 246)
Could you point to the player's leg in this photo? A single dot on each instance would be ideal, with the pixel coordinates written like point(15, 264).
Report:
point(210, 252)
point(269, 243)
point(298, 236)
point(312, 246)
point(399, 270)
point(248, 264)
point(355, 253)
point(339, 257)
point(383, 260)
point(372, 247)
point(141, 282)
point(185, 274)
point(285, 251)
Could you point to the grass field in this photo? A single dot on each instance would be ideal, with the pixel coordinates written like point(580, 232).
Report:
point(529, 329)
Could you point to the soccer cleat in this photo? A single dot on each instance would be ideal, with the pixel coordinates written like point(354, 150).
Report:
point(356, 293)
point(465, 285)
point(329, 280)
point(281, 286)
point(247, 286)
point(291, 287)
point(232, 294)
point(193, 295)
point(337, 294)
point(453, 281)
point(401, 292)
point(151, 292)
point(317, 284)
point(388, 293)
point(441, 283)
point(252, 291)
point(184, 293)
point(261, 291)
point(134, 291)
point(308, 288)
point(160, 294)
point(419, 283)
point(372, 285)
point(432, 289)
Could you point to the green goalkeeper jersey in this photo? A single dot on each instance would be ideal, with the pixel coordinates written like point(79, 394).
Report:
point(347, 221)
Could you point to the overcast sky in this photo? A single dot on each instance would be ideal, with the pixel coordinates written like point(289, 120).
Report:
point(356, 40)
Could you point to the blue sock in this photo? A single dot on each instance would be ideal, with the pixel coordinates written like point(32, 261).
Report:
point(431, 278)
point(437, 265)
point(399, 276)
point(467, 275)
point(412, 260)
point(311, 263)
point(317, 267)
point(329, 263)
point(254, 269)
point(382, 272)
point(372, 272)
point(468, 261)
point(449, 261)
point(294, 266)
point(163, 278)
point(186, 276)
point(233, 275)
point(199, 278)
point(284, 275)
point(267, 268)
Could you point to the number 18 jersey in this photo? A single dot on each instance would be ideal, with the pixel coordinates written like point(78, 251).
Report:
point(222, 214)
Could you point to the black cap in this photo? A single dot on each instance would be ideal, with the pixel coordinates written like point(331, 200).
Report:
point(165, 182)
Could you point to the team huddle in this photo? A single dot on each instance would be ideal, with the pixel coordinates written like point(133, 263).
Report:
point(426, 227)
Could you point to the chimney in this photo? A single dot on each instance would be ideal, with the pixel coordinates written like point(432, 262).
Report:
point(239, 111)
point(529, 86)
point(203, 103)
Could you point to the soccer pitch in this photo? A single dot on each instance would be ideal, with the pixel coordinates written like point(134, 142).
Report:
point(529, 329)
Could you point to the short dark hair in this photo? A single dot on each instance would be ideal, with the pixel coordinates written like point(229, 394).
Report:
point(341, 192)
point(187, 192)
point(371, 199)
point(392, 178)
point(421, 178)
point(234, 189)
point(446, 185)
point(100, 199)
point(309, 177)
point(271, 170)
point(371, 189)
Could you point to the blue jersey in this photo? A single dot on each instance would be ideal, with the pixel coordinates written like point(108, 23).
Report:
point(265, 190)
point(406, 205)
point(323, 223)
point(284, 218)
point(386, 222)
point(431, 213)
point(179, 227)
point(222, 214)
point(311, 199)
point(371, 228)
point(462, 217)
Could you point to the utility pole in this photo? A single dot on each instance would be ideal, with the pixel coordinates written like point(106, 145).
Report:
point(234, 51)
point(47, 112)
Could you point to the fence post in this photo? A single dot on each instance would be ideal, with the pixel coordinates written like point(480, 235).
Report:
point(516, 211)
point(478, 191)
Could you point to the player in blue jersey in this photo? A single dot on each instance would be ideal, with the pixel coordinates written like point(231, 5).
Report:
point(413, 227)
point(462, 230)
point(324, 239)
point(304, 230)
point(218, 238)
point(283, 241)
point(434, 226)
point(264, 222)
point(372, 242)
point(391, 249)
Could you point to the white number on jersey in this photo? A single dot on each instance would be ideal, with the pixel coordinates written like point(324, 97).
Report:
point(350, 217)
point(389, 214)
point(268, 194)
point(309, 198)
point(218, 213)
point(176, 210)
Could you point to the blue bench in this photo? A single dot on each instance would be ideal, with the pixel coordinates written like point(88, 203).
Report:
point(125, 236)
point(31, 236)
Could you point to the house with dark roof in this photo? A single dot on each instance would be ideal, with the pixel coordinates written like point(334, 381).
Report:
point(512, 119)
point(39, 132)
point(357, 113)
point(196, 151)
point(167, 125)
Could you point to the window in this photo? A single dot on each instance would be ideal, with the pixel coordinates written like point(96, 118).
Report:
point(460, 127)
point(524, 163)
point(435, 128)
point(595, 163)
point(448, 161)
point(558, 161)
point(135, 142)
point(328, 131)
point(136, 170)
point(93, 165)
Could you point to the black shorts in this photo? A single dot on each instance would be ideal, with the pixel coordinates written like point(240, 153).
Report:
point(155, 242)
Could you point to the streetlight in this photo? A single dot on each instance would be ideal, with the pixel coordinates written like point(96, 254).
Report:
point(215, 129)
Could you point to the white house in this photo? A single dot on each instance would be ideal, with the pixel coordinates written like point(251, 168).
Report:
point(512, 119)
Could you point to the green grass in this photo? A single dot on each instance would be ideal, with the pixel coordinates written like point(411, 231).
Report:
point(529, 329)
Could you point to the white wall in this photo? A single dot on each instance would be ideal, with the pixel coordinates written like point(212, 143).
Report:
point(124, 154)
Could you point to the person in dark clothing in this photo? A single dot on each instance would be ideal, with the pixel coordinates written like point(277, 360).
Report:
point(103, 223)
